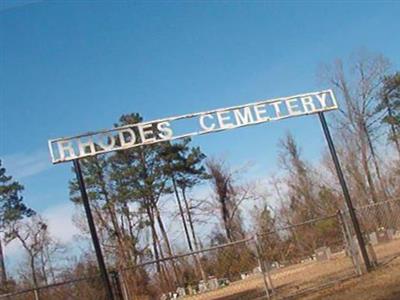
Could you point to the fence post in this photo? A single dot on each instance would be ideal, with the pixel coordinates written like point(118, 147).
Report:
point(36, 294)
point(264, 270)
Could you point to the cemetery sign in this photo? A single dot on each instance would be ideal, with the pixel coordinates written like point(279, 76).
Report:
point(167, 129)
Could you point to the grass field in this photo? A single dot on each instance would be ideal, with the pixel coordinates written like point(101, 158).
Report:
point(323, 280)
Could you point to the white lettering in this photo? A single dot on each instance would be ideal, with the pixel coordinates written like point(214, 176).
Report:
point(66, 146)
point(83, 146)
point(259, 110)
point(122, 137)
point(293, 106)
point(224, 116)
point(146, 133)
point(203, 125)
point(277, 108)
point(110, 141)
point(243, 118)
point(322, 100)
point(165, 130)
point(308, 103)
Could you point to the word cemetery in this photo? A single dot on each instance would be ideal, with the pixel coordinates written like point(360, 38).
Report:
point(125, 137)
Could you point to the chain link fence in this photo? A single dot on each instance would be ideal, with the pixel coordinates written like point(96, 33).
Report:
point(304, 257)
point(285, 263)
point(198, 275)
point(90, 288)
point(192, 275)
point(380, 224)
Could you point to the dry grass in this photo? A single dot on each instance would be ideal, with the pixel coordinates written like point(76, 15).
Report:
point(295, 280)
point(382, 284)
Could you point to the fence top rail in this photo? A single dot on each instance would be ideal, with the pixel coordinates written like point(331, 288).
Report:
point(289, 226)
point(377, 204)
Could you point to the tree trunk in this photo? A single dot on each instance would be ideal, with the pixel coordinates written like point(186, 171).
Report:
point(166, 240)
point(43, 268)
point(364, 162)
point(3, 273)
point(225, 217)
point(154, 236)
point(393, 130)
point(376, 165)
point(158, 254)
point(33, 270)
point(134, 251)
point(190, 220)
point(196, 245)
point(178, 200)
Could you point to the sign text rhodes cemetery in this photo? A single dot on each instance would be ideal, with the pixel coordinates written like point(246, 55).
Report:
point(125, 137)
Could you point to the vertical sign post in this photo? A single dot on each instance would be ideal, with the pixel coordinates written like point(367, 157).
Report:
point(92, 229)
point(346, 193)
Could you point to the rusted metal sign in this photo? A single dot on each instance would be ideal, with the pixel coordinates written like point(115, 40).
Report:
point(145, 133)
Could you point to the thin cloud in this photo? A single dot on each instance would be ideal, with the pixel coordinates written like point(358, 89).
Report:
point(59, 219)
point(13, 4)
point(22, 165)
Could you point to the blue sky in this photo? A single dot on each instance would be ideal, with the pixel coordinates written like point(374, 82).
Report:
point(67, 68)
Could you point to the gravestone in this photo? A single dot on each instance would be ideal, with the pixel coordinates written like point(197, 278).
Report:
point(203, 286)
point(276, 265)
point(181, 292)
point(323, 253)
point(373, 238)
point(191, 290)
point(372, 255)
point(164, 297)
point(223, 282)
point(384, 236)
point(213, 283)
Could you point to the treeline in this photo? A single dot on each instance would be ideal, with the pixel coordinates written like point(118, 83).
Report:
point(129, 191)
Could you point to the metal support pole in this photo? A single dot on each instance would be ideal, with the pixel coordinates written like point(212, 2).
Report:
point(92, 228)
point(345, 191)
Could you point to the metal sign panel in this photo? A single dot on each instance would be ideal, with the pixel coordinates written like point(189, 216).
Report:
point(151, 132)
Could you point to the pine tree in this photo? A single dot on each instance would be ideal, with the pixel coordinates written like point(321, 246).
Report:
point(183, 165)
point(390, 105)
point(12, 209)
point(140, 172)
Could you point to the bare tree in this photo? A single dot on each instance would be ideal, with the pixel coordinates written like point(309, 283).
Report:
point(359, 84)
point(34, 237)
point(229, 198)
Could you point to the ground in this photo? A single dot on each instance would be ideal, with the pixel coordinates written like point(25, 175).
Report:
point(334, 280)
point(382, 284)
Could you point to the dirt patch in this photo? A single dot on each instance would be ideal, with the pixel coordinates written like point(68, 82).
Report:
point(381, 284)
point(299, 280)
